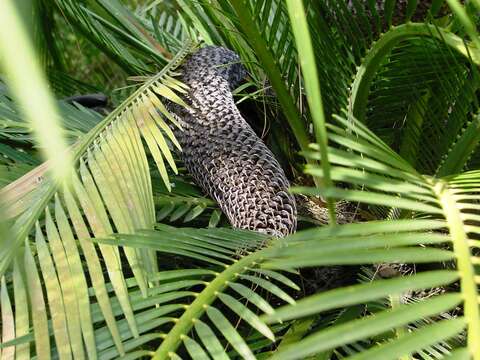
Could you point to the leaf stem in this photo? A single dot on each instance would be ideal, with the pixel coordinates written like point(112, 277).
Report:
point(271, 69)
point(293, 116)
point(200, 304)
point(464, 265)
point(298, 20)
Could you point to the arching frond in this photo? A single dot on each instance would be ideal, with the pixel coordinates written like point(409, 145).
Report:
point(110, 190)
point(233, 259)
point(442, 230)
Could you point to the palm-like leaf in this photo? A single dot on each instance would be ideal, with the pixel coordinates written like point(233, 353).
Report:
point(442, 208)
point(166, 287)
point(113, 181)
point(233, 257)
point(362, 159)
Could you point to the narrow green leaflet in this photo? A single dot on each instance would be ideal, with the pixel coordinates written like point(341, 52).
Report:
point(367, 326)
point(414, 341)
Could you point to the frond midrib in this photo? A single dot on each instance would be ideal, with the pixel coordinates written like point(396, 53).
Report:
point(79, 149)
point(465, 267)
point(208, 295)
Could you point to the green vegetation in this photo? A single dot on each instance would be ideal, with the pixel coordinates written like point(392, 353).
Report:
point(108, 250)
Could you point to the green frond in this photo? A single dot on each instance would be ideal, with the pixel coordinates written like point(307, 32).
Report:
point(220, 248)
point(369, 326)
point(416, 84)
point(444, 231)
point(150, 313)
point(110, 191)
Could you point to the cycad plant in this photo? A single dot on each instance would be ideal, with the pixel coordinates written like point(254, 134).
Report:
point(371, 107)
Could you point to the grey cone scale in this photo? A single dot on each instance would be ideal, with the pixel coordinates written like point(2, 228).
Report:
point(222, 152)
